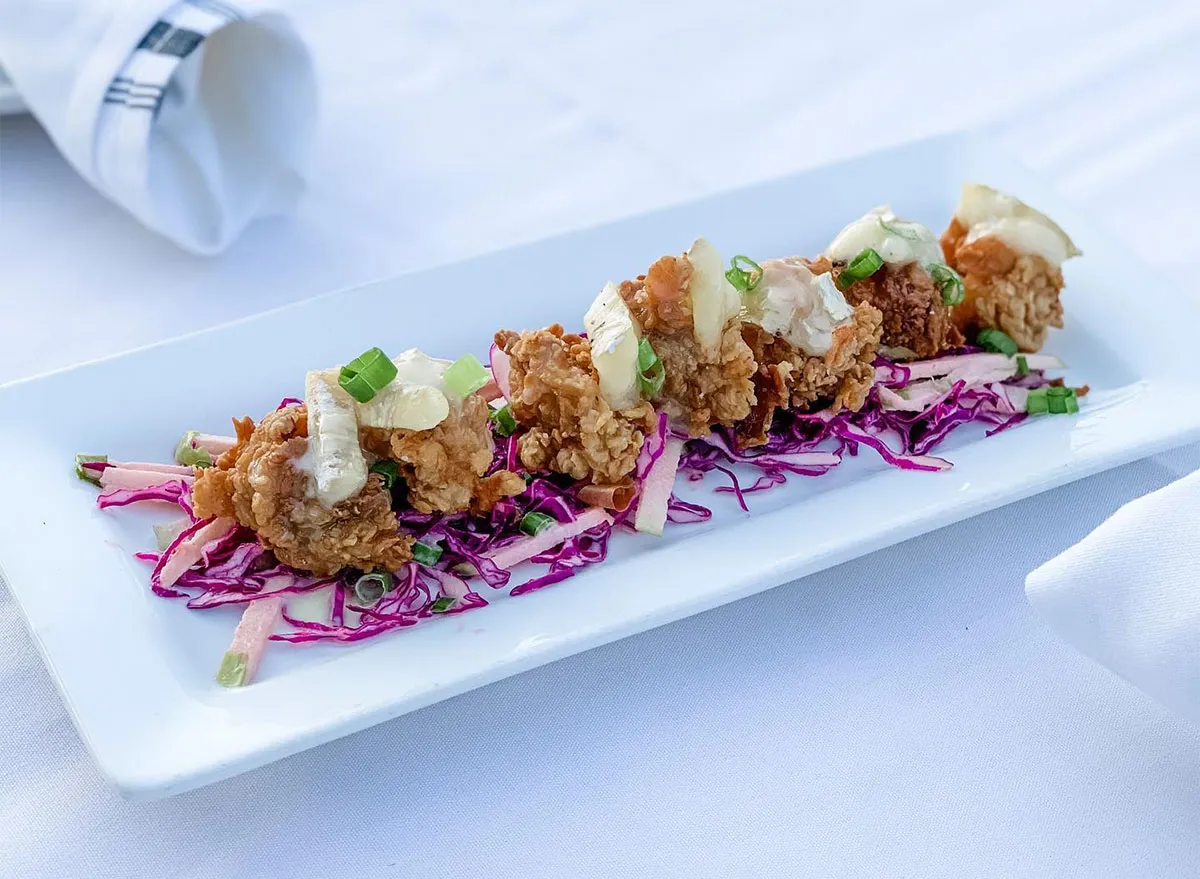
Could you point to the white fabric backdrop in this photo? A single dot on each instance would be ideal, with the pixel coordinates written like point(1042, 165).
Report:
point(904, 714)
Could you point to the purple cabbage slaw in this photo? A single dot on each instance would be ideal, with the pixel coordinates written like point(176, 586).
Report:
point(902, 439)
point(236, 569)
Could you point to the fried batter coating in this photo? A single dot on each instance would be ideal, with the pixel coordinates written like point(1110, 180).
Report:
point(700, 391)
point(914, 316)
point(444, 466)
point(556, 394)
point(259, 482)
point(659, 300)
point(1014, 292)
point(787, 377)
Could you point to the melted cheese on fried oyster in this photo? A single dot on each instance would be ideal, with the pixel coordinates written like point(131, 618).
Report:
point(986, 211)
point(715, 301)
point(416, 399)
point(613, 339)
point(792, 303)
point(898, 242)
point(334, 459)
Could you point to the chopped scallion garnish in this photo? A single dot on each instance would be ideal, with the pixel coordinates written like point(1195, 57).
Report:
point(949, 282)
point(744, 279)
point(1053, 400)
point(504, 421)
point(189, 454)
point(1064, 405)
point(389, 470)
point(1022, 365)
point(90, 474)
point(862, 266)
point(367, 375)
point(466, 375)
point(369, 588)
point(442, 605)
point(651, 372)
point(996, 341)
point(536, 523)
point(426, 553)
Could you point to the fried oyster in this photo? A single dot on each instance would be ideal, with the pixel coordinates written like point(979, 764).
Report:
point(302, 478)
point(811, 347)
point(1010, 258)
point(262, 482)
point(572, 429)
point(689, 312)
point(444, 467)
point(917, 317)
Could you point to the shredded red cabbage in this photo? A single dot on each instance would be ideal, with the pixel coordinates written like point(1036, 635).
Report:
point(902, 438)
point(172, 492)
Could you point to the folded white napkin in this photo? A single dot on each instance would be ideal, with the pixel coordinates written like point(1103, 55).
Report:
point(194, 116)
point(1128, 595)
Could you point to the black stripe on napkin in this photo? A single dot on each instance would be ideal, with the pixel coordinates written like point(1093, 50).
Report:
point(135, 95)
point(151, 104)
point(123, 85)
point(217, 8)
point(166, 39)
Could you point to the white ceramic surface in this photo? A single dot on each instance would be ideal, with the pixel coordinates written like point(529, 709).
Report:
point(10, 101)
point(136, 671)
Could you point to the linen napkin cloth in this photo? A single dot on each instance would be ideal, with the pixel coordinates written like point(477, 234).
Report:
point(193, 115)
point(1128, 594)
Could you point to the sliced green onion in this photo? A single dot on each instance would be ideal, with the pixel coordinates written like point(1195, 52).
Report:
point(369, 588)
point(651, 372)
point(536, 523)
point(996, 341)
point(743, 278)
point(1022, 365)
point(1053, 400)
point(504, 421)
point(442, 605)
point(232, 672)
point(466, 375)
point(426, 553)
point(1070, 404)
point(389, 470)
point(949, 282)
point(862, 266)
point(911, 235)
point(367, 375)
point(89, 474)
point(191, 455)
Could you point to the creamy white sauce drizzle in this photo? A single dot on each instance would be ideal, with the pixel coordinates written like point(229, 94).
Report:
point(794, 304)
point(898, 242)
point(416, 399)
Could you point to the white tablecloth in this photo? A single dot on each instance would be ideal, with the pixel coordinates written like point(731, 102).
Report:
point(901, 715)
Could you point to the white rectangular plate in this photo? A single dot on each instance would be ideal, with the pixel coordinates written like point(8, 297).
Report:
point(136, 671)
